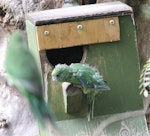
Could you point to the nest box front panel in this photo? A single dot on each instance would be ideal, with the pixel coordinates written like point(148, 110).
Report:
point(78, 33)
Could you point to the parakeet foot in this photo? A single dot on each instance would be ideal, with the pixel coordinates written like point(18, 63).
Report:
point(92, 110)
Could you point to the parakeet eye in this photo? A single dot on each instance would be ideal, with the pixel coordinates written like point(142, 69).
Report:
point(58, 76)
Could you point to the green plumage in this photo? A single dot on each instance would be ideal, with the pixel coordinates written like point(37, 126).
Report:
point(82, 74)
point(23, 72)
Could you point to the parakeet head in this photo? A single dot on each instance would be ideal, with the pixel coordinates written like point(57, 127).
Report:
point(61, 73)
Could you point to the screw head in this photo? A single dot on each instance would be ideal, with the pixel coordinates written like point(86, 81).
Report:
point(146, 93)
point(46, 33)
point(79, 27)
point(125, 132)
point(111, 22)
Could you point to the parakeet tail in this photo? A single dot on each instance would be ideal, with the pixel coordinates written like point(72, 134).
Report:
point(102, 87)
point(40, 110)
point(90, 110)
point(106, 86)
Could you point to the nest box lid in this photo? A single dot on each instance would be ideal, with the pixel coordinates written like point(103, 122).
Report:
point(78, 26)
point(79, 13)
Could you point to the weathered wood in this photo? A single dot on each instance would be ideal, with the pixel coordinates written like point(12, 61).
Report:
point(135, 126)
point(67, 34)
point(79, 13)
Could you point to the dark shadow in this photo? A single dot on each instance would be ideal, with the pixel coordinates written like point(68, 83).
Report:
point(65, 55)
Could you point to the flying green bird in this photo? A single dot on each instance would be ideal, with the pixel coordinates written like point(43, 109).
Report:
point(85, 76)
point(22, 72)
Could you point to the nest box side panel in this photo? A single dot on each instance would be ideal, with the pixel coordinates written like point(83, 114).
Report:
point(31, 34)
point(32, 41)
point(119, 64)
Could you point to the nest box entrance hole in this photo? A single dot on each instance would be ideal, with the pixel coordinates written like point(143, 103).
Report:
point(72, 95)
point(65, 55)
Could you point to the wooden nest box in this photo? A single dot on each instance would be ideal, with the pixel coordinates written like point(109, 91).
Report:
point(105, 36)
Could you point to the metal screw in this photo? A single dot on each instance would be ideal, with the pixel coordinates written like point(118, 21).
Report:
point(112, 22)
point(79, 27)
point(46, 33)
point(124, 132)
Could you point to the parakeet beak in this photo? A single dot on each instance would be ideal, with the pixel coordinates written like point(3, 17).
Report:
point(54, 78)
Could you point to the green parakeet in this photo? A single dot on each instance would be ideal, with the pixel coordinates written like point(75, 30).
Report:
point(85, 76)
point(22, 72)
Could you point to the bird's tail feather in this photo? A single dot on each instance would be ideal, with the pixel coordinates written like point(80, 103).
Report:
point(103, 88)
point(40, 110)
point(89, 112)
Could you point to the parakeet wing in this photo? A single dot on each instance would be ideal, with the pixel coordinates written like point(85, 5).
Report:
point(88, 76)
point(24, 70)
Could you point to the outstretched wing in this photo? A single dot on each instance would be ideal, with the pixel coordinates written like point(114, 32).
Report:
point(21, 66)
